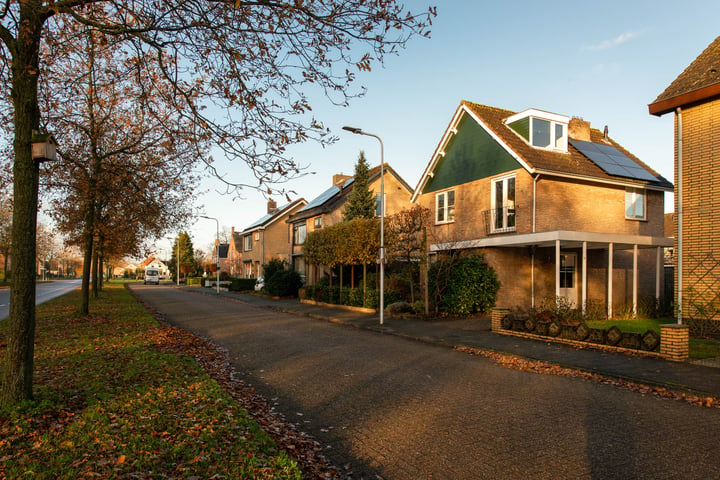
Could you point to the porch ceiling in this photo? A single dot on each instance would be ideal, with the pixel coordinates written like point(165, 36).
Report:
point(567, 240)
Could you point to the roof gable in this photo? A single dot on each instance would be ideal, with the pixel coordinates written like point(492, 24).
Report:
point(272, 217)
point(492, 122)
point(698, 82)
point(469, 154)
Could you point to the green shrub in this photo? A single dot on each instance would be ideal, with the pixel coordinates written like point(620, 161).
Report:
point(283, 283)
point(469, 286)
point(242, 284)
point(195, 281)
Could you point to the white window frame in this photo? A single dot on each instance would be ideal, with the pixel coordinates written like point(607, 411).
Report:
point(447, 210)
point(506, 204)
point(556, 143)
point(248, 243)
point(632, 195)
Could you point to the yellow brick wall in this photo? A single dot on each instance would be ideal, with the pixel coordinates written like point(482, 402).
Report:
point(701, 197)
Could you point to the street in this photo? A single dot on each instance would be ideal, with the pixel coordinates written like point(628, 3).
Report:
point(400, 409)
point(43, 293)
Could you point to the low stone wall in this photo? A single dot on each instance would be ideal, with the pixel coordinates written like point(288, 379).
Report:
point(674, 339)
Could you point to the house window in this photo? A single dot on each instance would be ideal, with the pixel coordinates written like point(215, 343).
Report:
point(547, 134)
point(248, 270)
point(380, 206)
point(299, 231)
point(541, 129)
point(445, 207)
point(317, 223)
point(503, 205)
point(248, 242)
point(635, 204)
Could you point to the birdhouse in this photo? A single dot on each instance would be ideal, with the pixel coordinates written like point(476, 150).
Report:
point(44, 147)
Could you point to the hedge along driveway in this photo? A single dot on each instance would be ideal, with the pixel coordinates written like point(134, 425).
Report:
point(112, 402)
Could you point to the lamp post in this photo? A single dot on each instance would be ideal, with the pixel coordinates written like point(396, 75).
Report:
point(217, 249)
point(358, 131)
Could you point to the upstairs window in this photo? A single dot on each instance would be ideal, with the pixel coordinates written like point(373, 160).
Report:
point(317, 223)
point(635, 204)
point(248, 243)
point(300, 232)
point(503, 205)
point(541, 129)
point(378, 205)
point(445, 207)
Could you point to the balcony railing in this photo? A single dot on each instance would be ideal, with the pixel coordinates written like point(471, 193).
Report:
point(499, 220)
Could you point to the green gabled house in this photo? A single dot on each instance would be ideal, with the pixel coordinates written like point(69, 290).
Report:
point(558, 208)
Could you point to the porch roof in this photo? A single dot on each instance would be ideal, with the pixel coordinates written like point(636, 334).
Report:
point(568, 239)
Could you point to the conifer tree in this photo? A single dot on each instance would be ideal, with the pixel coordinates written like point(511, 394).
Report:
point(361, 201)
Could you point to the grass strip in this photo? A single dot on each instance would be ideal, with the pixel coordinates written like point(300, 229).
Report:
point(110, 402)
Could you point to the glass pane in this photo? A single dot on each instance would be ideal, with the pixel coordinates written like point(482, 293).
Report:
point(510, 202)
point(640, 204)
point(499, 204)
point(451, 205)
point(378, 205)
point(541, 133)
point(440, 214)
point(559, 135)
point(629, 207)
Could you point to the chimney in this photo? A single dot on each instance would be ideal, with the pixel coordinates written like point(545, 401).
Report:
point(339, 179)
point(579, 129)
point(605, 133)
point(271, 206)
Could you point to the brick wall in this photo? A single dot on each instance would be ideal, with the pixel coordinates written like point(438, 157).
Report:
point(701, 199)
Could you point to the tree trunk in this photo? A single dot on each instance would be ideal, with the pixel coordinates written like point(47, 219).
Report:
point(18, 371)
point(95, 272)
point(87, 264)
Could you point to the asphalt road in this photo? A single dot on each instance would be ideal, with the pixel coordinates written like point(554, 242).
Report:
point(387, 406)
point(43, 293)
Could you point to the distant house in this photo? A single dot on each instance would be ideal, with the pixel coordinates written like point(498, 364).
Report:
point(694, 99)
point(559, 209)
point(233, 262)
point(327, 209)
point(268, 238)
point(154, 261)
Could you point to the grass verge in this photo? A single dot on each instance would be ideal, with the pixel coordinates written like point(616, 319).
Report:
point(111, 402)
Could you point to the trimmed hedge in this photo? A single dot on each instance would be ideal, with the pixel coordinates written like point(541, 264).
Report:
point(242, 284)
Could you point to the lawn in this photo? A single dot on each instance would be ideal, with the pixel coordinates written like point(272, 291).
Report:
point(699, 347)
point(112, 402)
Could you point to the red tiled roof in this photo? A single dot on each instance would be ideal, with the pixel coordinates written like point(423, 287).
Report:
point(571, 163)
point(699, 81)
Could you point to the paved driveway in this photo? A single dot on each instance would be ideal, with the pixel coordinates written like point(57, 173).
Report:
point(387, 406)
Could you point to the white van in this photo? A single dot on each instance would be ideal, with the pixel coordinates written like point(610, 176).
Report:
point(152, 275)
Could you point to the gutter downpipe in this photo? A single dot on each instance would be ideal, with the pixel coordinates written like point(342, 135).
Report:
point(679, 253)
point(532, 258)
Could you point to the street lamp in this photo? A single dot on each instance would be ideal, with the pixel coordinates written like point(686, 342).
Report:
point(217, 249)
point(358, 131)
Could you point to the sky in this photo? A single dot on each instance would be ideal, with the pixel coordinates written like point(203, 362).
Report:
point(602, 61)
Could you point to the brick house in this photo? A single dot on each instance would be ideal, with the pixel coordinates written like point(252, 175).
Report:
point(694, 98)
point(233, 262)
point(267, 238)
point(553, 204)
point(327, 209)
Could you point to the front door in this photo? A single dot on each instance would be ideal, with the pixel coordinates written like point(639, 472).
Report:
point(568, 277)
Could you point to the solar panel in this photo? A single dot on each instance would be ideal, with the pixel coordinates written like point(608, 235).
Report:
point(322, 198)
point(612, 160)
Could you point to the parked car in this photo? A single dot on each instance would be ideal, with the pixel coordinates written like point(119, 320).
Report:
point(259, 284)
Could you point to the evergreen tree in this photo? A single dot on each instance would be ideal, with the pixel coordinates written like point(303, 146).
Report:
point(187, 258)
point(361, 201)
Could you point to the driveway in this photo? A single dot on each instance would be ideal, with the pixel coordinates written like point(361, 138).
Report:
point(383, 405)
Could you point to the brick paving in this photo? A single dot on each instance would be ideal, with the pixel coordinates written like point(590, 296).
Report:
point(388, 405)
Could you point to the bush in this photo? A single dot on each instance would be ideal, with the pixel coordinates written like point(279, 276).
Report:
point(283, 283)
point(242, 284)
point(195, 281)
point(469, 286)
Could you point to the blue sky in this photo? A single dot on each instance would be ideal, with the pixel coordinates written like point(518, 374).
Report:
point(602, 61)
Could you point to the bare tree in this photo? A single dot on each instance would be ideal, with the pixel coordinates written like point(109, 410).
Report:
point(237, 71)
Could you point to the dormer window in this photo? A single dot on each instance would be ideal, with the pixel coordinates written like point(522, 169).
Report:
point(541, 129)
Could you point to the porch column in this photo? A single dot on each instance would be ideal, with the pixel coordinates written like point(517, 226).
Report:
point(635, 278)
point(610, 281)
point(557, 269)
point(659, 273)
point(584, 277)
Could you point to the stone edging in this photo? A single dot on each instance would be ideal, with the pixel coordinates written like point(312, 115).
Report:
point(342, 307)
